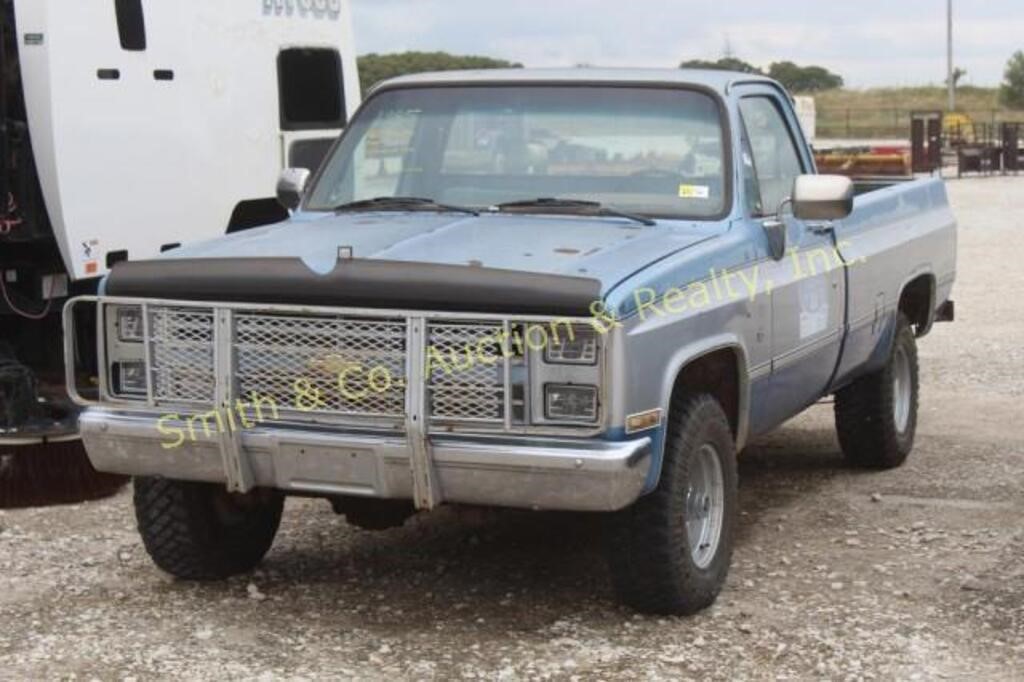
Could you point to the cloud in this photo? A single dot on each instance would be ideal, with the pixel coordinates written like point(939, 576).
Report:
point(872, 42)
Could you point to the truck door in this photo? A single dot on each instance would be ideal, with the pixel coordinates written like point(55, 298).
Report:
point(807, 283)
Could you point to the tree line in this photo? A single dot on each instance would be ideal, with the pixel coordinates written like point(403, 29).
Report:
point(794, 77)
point(374, 68)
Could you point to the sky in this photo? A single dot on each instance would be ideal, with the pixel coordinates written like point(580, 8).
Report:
point(868, 42)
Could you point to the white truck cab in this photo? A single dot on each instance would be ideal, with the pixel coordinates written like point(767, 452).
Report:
point(141, 114)
point(132, 126)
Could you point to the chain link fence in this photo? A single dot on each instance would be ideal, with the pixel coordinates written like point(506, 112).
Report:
point(894, 123)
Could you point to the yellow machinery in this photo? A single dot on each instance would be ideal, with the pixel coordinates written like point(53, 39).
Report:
point(958, 128)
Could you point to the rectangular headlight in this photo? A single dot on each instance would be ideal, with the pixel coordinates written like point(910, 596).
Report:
point(129, 378)
point(575, 346)
point(129, 323)
point(563, 402)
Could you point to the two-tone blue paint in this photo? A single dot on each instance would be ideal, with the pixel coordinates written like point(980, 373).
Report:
point(787, 356)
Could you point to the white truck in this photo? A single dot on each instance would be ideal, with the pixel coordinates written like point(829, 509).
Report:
point(128, 127)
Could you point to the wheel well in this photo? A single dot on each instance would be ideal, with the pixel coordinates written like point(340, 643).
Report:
point(716, 374)
point(917, 303)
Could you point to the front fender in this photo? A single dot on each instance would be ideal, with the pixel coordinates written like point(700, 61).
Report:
point(679, 360)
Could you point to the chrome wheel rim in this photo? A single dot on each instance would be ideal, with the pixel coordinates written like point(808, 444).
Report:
point(705, 505)
point(901, 389)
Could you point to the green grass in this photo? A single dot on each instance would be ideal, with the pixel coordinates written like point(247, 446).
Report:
point(885, 112)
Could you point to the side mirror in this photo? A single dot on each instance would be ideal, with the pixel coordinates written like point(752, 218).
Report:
point(290, 186)
point(822, 197)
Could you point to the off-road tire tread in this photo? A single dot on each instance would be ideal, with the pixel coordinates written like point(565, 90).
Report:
point(185, 538)
point(864, 412)
point(649, 554)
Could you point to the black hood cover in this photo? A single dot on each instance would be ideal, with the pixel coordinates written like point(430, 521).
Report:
point(357, 283)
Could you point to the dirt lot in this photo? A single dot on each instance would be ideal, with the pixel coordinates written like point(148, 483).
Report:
point(915, 573)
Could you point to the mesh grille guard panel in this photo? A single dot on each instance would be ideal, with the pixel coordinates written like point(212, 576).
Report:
point(335, 355)
point(339, 365)
point(182, 355)
point(469, 385)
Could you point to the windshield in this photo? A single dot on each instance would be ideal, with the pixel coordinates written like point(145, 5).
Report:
point(652, 151)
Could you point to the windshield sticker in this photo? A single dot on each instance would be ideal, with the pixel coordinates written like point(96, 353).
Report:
point(694, 192)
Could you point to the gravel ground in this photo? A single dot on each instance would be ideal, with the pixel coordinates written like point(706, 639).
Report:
point(914, 573)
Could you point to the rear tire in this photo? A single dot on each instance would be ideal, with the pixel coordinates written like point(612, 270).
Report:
point(876, 416)
point(670, 551)
point(199, 531)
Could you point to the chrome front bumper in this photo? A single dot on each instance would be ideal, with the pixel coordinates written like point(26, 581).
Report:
point(524, 472)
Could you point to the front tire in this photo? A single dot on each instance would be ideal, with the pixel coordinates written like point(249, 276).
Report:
point(670, 551)
point(876, 416)
point(199, 531)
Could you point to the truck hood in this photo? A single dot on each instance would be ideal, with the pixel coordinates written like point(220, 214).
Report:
point(606, 249)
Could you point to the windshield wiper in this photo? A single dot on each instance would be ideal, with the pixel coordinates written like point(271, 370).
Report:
point(402, 204)
point(577, 206)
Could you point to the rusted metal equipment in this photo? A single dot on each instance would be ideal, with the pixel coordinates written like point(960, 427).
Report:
point(1012, 151)
point(858, 162)
point(976, 158)
point(981, 153)
point(926, 141)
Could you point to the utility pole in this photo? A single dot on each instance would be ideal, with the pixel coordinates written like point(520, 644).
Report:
point(950, 84)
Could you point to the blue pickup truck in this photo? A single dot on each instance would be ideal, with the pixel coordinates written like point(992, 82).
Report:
point(568, 290)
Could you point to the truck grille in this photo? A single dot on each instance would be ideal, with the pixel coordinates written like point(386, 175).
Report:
point(322, 364)
point(295, 361)
point(466, 380)
point(182, 355)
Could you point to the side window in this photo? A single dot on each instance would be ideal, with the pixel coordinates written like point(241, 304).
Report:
point(776, 161)
point(131, 24)
point(751, 188)
point(311, 89)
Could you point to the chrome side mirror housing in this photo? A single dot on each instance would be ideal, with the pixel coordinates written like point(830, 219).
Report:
point(291, 185)
point(822, 197)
